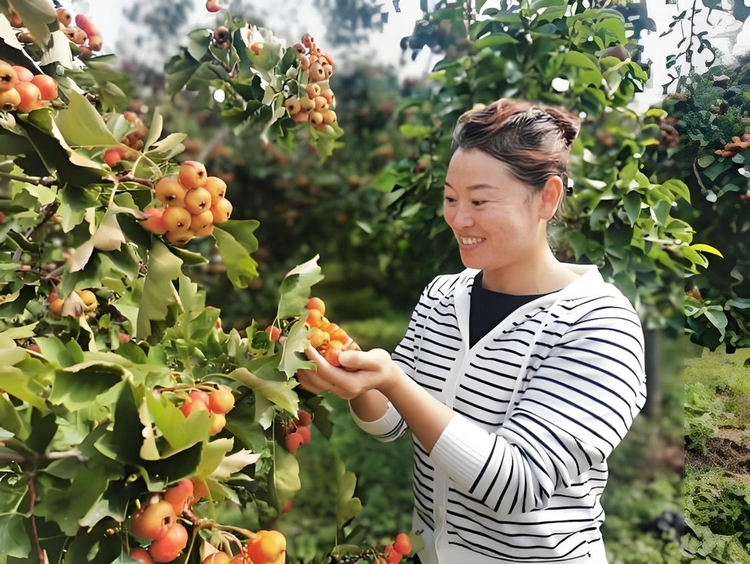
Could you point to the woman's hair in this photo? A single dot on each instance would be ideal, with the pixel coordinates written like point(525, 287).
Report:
point(532, 141)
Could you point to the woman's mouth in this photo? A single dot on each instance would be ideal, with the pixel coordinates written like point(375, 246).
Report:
point(470, 242)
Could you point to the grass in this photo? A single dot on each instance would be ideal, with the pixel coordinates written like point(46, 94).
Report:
point(726, 375)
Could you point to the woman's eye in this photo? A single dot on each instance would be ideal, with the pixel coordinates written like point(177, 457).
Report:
point(478, 202)
point(449, 200)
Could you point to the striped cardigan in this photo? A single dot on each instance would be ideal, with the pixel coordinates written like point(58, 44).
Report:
point(518, 473)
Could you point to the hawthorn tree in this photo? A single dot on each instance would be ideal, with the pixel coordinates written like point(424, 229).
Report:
point(127, 413)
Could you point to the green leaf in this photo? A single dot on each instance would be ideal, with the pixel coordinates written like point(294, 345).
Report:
point(286, 481)
point(291, 357)
point(82, 126)
point(158, 290)
point(632, 201)
point(14, 381)
point(8, 337)
point(11, 421)
point(347, 506)
point(78, 386)
point(296, 287)
point(235, 241)
point(67, 506)
point(706, 161)
point(180, 432)
point(279, 393)
point(703, 248)
point(717, 318)
point(494, 40)
point(13, 537)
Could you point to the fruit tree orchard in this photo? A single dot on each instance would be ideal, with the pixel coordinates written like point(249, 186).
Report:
point(126, 412)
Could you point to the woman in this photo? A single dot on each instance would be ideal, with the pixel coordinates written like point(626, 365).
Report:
point(517, 376)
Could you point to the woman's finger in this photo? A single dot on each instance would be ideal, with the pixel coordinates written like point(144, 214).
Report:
point(311, 382)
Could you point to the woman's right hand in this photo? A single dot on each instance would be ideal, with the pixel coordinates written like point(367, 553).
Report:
point(360, 372)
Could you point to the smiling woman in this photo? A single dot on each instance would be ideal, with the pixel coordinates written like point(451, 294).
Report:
point(518, 376)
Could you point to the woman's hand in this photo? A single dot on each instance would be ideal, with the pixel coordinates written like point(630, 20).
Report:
point(359, 372)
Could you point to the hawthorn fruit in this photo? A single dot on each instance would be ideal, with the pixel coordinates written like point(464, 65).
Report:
point(180, 496)
point(170, 545)
point(153, 521)
point(141, 554)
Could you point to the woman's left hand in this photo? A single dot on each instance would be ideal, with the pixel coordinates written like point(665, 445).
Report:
point(359, 372)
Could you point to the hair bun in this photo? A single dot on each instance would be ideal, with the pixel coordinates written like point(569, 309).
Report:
point(568, 125)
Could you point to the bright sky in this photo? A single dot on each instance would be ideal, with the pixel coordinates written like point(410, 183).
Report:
point(292, 18)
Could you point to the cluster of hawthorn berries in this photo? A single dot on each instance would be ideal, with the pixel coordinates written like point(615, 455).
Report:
point(86, 35)
point(23, 91)
point(265, 547)
point(217, 403)
point(193, 202)
point(56, 303)
point(327, 338)
point(316, 105)
point(393, 553)
point(157, 522)
point(133, 141)
point(297, 432)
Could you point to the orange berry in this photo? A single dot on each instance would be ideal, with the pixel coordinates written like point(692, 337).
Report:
point(47, 86)
point(23, 74)
point(177, 219)
point(312, 90)
point(216, 187)
point(222, 210)
point(155, 222)
point(192, 174)
point(317, 303)
point(317, 337)
point(316, 118)
point(180, 238)
point(31, 97)
point(169, 191)
point(314, 318)
point(8, 76)
point(9, 100)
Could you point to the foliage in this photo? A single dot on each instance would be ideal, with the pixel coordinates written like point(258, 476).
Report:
point(96, 411)
point(617, 218)
point(702, 415)
point(709, 121)
point(716, 510)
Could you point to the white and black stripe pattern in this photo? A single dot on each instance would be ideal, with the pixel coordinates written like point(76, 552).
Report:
point(526, 488)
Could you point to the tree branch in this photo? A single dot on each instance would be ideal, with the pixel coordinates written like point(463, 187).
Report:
point(9, 457)
point(46, 181)
point(34, 532)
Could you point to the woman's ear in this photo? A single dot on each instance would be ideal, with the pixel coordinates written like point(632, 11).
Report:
point(551, 196)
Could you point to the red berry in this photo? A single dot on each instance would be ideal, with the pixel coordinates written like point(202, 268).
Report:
point(305, 418)
point(305, 433)
point(402, 545)
point(293, 442)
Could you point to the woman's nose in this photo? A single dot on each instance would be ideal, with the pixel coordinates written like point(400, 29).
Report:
point(463, 217)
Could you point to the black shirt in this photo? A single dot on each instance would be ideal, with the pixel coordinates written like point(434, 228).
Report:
point(489, 308)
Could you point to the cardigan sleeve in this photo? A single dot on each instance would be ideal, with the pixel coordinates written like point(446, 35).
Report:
point(578, 406)
point(391, 425)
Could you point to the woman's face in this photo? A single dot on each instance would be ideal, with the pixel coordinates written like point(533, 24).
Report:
point(496, 219)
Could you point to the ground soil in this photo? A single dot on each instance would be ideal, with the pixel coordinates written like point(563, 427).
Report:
point(728, 450)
